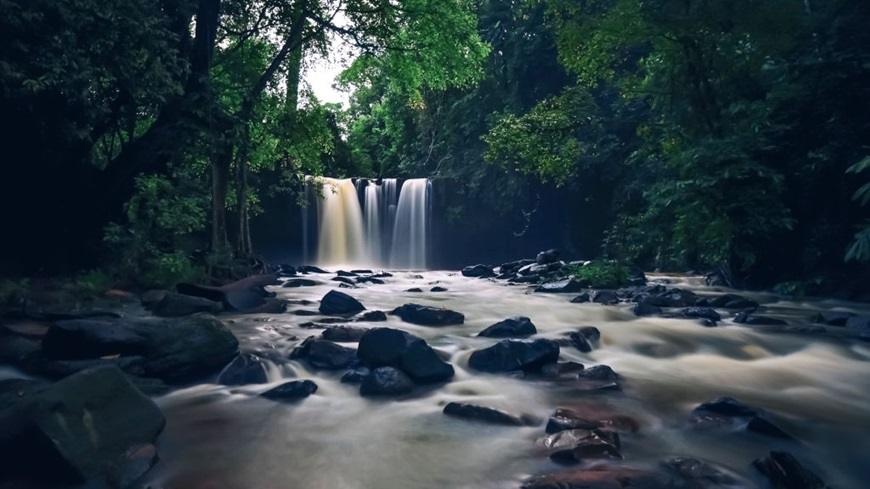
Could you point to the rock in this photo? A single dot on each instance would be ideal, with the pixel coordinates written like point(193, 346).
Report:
point(336, 303)
point(438, 288)
point(395, 348)
point(15, 349)
point(580, 299)
point(361, 271)
point(592, 445)
point(343, 333)
point(28, 329)
point(242, 295)
point(131, 465)
point(729, 413)
point(525, 279)
point(707, 323)
point(859, 324)
point(589, 417)
point(548, 256)
point(786, 472)
point(245, 369)
point(414, 289)
point(833, 318)
point(702, 475)
point(175, 305)
point(76, 428)
point(299, 282)
point(569, 285)
point(559, 368)
point(344, 273)
point(311, 269)
point(324, 354)
point(151, 297)
point(355, 376)
point(600, 477)
point(636, 276)
point(56, 369)
point(746, 317)
point(291, 391)
point(344, 281)
point(485, 414)
point(370, 280)
point(580, 342)
point(386, 381)
point(591, 333)
point(511, 268)
point(674, 298)
point(702, 312)
point(174, 350)
point(598, 372)
point(606, 297)
point(734, 300)
point(480, 271)
point(513, 327)
point(644, 308)
point(513, 355)
point(428, 316)
point(373, 316)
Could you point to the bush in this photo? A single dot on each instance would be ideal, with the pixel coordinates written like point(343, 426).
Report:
point(601, 274)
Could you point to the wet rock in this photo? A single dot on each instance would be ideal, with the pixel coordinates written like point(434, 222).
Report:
point(511, 268)
point(344, 273)
point(580, 299)
point(270, 305)
point(299, 282)
point(245, 369)
point(589, 417)
point(548, 256)
point(727, 412)
point(386, 381)
point(343, 333)
point(15, 349)
point(324, 354)
point(477, 271)
point(355, 376)
point(746, 317)
point(580, 342)
point(591, 333)
point(513, 355)
point(599, 372)
point(560, 368)
point(311, 269)
point(395, 348)
point(438, 288)
point(833, 318)
point(525, 279)
point(485, 414)
point(414, 289)
point(175, 305)
point(786, 472)
point(344, 280)
point(370, 280)
point(702, 313)
point(644, 308)
point(151, 297)
point(732, 301)
point(174, 350)
point(592, 445)
point(702, 475)
point(132, 465)
point(373, 316)
point(600, 477)
point(242, 295)
point(428, 316)
point(569, 285)
point(674, 298)
point(77, 427)
point(859, 324)
point(513, 327)
point(336, 303)
point(28, 329)
point(56, 369)
point(707, 323)
point(606, 297)
point(291, 391)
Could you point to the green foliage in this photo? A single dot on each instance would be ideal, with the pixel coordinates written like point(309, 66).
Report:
point(601, 274)
point(14, 292)
point(89, 284)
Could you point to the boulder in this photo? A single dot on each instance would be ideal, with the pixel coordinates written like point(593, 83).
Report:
point(592, 446)
point(343, 333)
point(600, 477)
point(15, 349)
point(291, 391)
point(580, 299)
point(833, 318)
point(513, 327)
point(428, 316)
point(598, 372)
point(525, 279)
point(299, 282)
point(567, 285)
point(785, 472)
point(548, 256)
point(514, 355)
point(511, 268)
point(373, 316)
point(173, 350)
point(674, 298)
point(698, 474)
point(733, 301)
point(702, 312)
point(386, 381)
point(746, 317)
point(589, 417)
point(399, 349)
point(606, 297)
point(344, 281)
point(336, 303)
point(324, 354)
point(480, 271)
point(175, 305)
point(310, 269)
point(76, 428)
point(729, 413)
point(580, 342)
point(438, 288)
point(484, 414)
point(131, 465)
point(241, 296)
point(245, 369)
point(355, 376)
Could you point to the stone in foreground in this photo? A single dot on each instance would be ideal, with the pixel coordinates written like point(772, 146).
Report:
point(428, 316)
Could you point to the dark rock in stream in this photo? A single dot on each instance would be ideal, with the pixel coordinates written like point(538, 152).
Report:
point(411, 354)
point(15, 349)
point(513, 327)
point(600, 477)
point(833, 318)
point(311, 269)
point(558, 369)
point(548, 256)
point(525, 279)
point(569, 285)
point(702, 475)
point(176, 305)
point(702, 313)
point(324, 354)
point(580, 342)
point(174, 350)
point(730, 413)
point(414, 289)
point(336, 303)
point(245, 295)
point(344, 281)
point(674, 298)
point(438, 288)
point(480, 271)
point(595, 445)
point(76, 428)
point(582, 298)
point(733, 301)
point(786, 472)
point(355, 376)
point(291, 391)
point(513, 355)
point(428, 316)
point(245, 369)
point(131, 465)
point(386, 381)
point(345, 273)
point(589, 417)
point(746, 317)
point(485, 414)
point(598, 372)
point(606, 297)
point(300, 282)
point(343, 334)
point(511, 268)
point(373, 316)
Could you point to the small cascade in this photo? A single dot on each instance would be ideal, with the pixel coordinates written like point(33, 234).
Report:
point(366, 222)
point(409, 234)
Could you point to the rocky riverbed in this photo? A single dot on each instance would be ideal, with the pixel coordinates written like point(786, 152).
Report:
point(438, 379)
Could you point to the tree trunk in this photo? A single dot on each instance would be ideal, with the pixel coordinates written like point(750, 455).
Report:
point(220, 178)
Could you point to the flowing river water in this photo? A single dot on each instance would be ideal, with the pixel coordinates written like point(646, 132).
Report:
point(229, 437)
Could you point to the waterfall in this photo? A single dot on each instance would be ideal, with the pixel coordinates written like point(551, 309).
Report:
point(409, 234)
point(367, 222)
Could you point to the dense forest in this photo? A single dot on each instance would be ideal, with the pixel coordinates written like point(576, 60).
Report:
point(142, 136)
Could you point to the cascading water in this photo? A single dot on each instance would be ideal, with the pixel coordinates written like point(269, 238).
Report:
point(368, 222)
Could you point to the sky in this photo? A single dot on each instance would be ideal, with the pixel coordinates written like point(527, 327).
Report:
point(321, 77)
